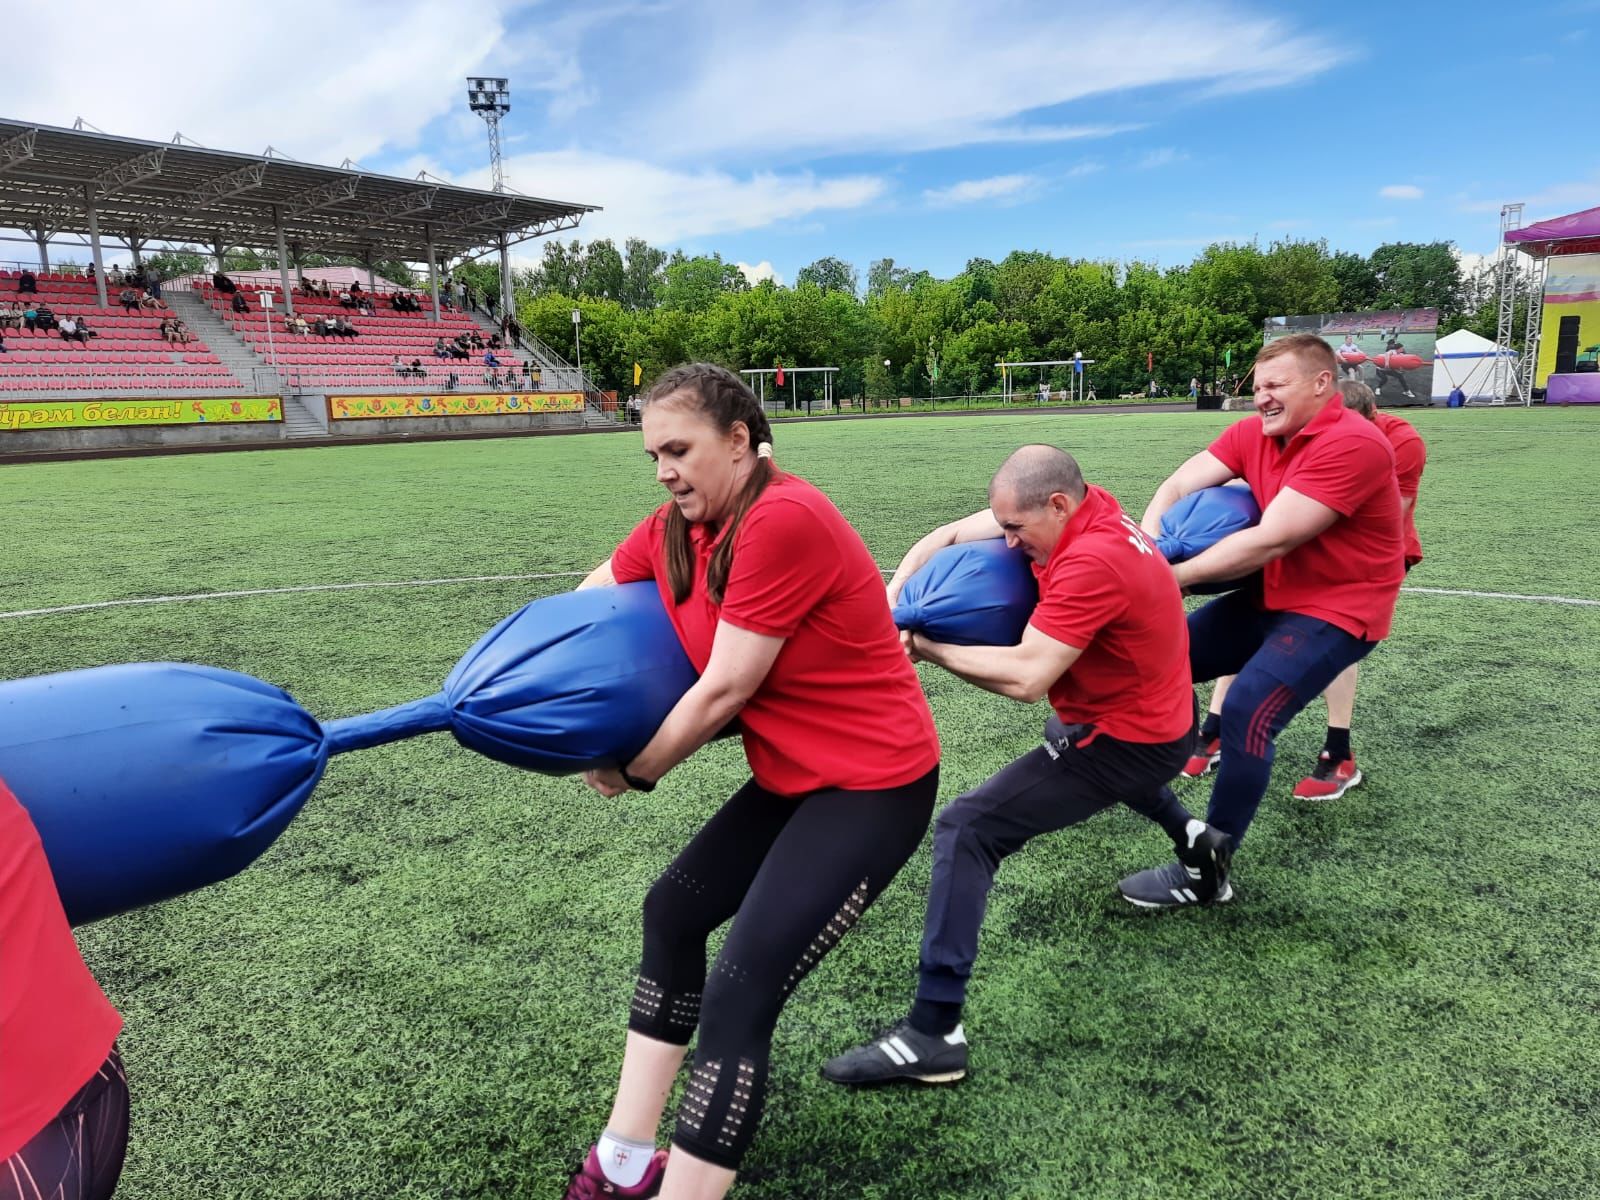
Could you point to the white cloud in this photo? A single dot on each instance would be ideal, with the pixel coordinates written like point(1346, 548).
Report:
point(664, 205)
point(910, 74)
point(1400, 191)
point(1554, 201)
point(336, 80)
point(1164, 156)
point(972, 191)
point(761, 270)
point(1085, 168)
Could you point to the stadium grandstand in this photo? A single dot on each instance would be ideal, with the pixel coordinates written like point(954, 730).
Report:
point(85, 336)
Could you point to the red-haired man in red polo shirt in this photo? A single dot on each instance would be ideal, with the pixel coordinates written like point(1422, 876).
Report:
point(1330, 551)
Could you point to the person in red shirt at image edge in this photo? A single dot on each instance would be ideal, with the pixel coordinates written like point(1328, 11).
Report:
point(1335, 772)
point(63, 1094)
point(1108, 644)
point(780, 607)
point(1329, 549)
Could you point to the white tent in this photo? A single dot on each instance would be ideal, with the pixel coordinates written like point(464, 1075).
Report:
point(1474, 364)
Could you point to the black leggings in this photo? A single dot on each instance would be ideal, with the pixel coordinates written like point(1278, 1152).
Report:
point(78, 1156)
point(794, 874)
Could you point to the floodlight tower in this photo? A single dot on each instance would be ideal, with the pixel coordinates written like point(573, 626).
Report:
point(491, 100)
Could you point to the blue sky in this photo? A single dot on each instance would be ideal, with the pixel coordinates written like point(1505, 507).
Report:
point(928, 132)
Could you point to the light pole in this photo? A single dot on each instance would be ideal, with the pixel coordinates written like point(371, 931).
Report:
point(888, 382)
point(577, 342)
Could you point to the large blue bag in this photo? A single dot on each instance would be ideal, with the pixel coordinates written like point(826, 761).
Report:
point(153, 779)
point(1202, 519)
point(971, 594)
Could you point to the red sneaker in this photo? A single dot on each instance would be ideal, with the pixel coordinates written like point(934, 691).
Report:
point(590, 1181)
point(1330, 780)
point(1207, 753)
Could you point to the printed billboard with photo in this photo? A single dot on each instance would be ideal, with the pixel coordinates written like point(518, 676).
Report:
point(1390, 350)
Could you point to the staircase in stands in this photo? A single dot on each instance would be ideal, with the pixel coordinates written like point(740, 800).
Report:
point(559, 375)
point(300, 413)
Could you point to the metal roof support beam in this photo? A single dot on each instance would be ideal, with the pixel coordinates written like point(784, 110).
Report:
point(130, 171)
point(94, 246)
point(331, 192)
point(482, 214)
point(245, 179)
point(17, 150)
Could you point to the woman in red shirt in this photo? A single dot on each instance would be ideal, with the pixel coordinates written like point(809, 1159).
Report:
point(781, 609)
point(63, 1095)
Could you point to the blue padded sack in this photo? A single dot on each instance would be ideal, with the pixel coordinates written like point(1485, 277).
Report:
point(971, 594)
point(1202, 519)
point(152, 779)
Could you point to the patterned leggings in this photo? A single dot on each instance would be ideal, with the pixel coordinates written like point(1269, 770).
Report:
point(78, 1156)
point(794, 875)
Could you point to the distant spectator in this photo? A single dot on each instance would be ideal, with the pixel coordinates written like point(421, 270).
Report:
point(399, 366)
point(355, 287)
point(27, 282)
point(296, 324)
point(495, 343)
point(223, 284)
point(152, 281)
point(240, 304)
point(364, 306)
point(128, 298)
point(44, 318)
point(418, 370)
point(68, 329)
point(2, 340)
point(1194, 387)
point(345, 329)
point(30, 317)
point(10, 314)
point(151, 300)
point(90, 271)
point(114, 276)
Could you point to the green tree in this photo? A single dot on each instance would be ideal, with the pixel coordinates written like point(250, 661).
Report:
point(643, 275)
point(830, 274)
point(693, 284)
point(1357, 281)
point(603, 276)
point(1418, 275)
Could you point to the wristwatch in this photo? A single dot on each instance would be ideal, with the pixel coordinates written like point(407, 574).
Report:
point(637, 784)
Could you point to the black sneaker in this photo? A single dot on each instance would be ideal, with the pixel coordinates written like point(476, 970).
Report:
point(1209, 850)
point(1176, 885)
point(901, 1053)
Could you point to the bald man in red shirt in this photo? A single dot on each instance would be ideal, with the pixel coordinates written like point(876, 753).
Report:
point(1330, 551)
point(1107, 645)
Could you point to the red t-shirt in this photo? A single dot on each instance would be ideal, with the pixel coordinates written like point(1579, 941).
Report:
point(1106, 590)
point(1410, 456)
point(1349, 574)
point(56, 1026)
point(841, 706)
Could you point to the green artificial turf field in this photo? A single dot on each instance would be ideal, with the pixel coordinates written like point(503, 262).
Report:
point(420, 990)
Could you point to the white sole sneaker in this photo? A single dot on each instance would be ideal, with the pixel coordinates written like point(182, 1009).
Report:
point(1353, 781)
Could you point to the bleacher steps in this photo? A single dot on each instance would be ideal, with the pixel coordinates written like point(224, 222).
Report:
point(251, 370)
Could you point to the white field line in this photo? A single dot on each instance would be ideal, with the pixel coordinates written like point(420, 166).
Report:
point(414, 583)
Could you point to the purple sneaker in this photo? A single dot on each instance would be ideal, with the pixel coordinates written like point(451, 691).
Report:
point(590, 1181)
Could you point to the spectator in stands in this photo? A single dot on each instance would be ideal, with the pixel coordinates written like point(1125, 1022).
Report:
point(355, 288)
point(441, 348)
point(128, 298)
point(346, 300)
point(27, 281)
point(30, 317)
point(152, 281)
point(114, 276)
point(364, 306)
point(461, 347)
point(418, 371)
point(495, 343)
point(151, 300)
point(240, 304)
point(68, 329)
point(89, 271)
point(296, 324)
point(398, 366)
point(44, 318)
point(534, 376)
point(223, 284)
point(475, 340)
point(345, 329)
point(10, 315)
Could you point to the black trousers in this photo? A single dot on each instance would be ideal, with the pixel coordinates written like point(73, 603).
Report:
point(1073, 776)
point(794, 874)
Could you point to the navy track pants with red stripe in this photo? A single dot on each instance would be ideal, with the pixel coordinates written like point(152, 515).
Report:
point(1283, 661)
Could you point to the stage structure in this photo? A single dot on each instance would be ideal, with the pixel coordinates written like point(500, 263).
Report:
point(1562, 348)
point(761, 373)
point(138, 195)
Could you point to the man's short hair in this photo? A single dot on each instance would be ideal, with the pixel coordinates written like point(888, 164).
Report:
point(1311, 350)
point(1358, 396)
point(1035, 473)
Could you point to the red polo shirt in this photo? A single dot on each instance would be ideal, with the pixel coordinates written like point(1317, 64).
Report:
point(1107, 591)
point(1410, 456)
point(841, 706)
point(1349, 574)
point(56, 1026)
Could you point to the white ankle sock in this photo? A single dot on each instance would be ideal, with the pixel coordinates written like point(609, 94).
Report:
point(622, 1160)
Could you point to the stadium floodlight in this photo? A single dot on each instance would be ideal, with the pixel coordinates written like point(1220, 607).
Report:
point(491, 100)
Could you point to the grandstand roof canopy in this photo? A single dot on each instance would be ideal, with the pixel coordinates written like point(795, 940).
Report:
point(175, 192)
